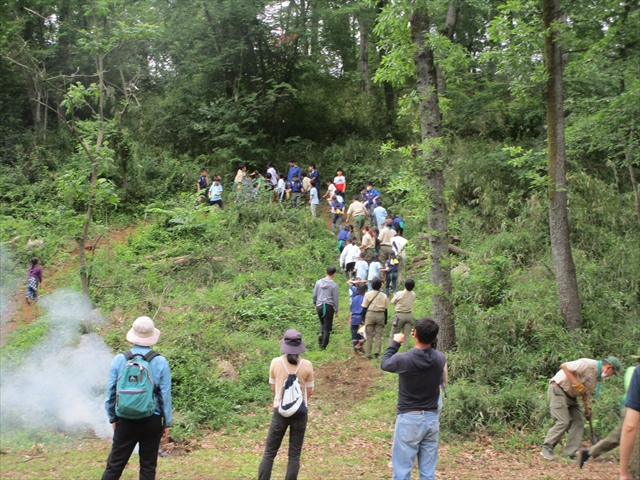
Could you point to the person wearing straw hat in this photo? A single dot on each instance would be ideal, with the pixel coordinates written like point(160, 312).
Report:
point(148, 432)
point(613, 439)
point(575, 379)
point(281, 368)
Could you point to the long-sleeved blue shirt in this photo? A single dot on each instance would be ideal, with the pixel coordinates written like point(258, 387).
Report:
point(295, 170)
point(161, 377)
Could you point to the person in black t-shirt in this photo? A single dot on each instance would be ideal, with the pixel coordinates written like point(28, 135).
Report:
point(421, 372)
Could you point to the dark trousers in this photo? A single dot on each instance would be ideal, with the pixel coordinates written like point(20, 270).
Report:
point(147, 432)
point(356, 338)
point(277, 430)
point(325, 313)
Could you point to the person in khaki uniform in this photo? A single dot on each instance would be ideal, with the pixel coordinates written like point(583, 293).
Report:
point(356, 213)
point(375, 305)
point(368, 246)
point(403, 318)
point(385, 237)
point(575, 379)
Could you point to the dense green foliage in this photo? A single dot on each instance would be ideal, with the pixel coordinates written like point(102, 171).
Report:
point(208, 84)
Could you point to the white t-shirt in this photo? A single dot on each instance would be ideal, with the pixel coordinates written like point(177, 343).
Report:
point(340, 180)
point(397, 245)
point(332, 190)
point(274, 175)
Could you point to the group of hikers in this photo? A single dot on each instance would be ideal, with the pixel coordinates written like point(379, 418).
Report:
point(138, 400)
point(293, 187)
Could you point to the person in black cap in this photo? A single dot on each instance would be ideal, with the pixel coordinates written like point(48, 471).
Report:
point(281, 368)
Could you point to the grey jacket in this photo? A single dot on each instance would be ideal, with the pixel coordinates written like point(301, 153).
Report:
point(326, 291)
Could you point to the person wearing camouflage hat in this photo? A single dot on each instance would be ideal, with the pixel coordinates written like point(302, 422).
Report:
point(575, 379)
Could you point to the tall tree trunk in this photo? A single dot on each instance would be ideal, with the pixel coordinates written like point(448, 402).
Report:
point(565, 269)
point(430, 126)
point(363, 58)
point(449, 30)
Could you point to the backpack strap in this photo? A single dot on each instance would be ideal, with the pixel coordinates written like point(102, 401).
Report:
point(287, 368)
point(150, 356)
point(128, 355)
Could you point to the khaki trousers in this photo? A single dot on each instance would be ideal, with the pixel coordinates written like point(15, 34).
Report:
point(405, 324)
point(384, 254)
point(567, 416)
point(613, 439)
point(374, 328)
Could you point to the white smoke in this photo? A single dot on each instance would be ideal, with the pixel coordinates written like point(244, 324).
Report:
point(61, 383)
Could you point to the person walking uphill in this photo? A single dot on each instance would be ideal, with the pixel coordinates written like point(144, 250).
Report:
point(326, 300)
point(34, 279)
point(403, 318)
point(417, 424)
point(575, 379)
point(375, 305)
point(131, 427)
point(295, 419)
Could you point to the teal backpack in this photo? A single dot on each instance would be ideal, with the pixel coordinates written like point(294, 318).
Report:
point(135, 389)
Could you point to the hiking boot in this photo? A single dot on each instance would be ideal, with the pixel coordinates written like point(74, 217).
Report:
point(583, 456)
point(547, 453)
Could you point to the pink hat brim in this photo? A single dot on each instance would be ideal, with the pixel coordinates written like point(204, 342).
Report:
point(134, 338)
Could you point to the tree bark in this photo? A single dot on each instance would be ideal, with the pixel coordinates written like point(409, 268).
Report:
point(565, 270)
point(430, 126)
point(449, 30)
point(363, 58)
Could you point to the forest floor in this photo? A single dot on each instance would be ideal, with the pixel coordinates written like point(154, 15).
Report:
point(338, 445)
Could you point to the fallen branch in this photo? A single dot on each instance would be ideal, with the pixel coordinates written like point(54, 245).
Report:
point(458, 250)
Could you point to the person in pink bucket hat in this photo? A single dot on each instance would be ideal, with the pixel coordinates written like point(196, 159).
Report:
point(138, 402)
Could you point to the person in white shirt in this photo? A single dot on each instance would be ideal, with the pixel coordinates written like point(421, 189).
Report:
point(331, 190)
point(340, 182)
point(274, 174)
point(349, 257)
point(280, 188)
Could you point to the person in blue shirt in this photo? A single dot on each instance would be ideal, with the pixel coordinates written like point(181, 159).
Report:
point(362, 267)
point(630, 425)
point(294, 188)
point(215, 193)
point(148, 432)
point(343, 236)
point(314, 201)
point(381, 215)
point(314, 176)
point(337, 210)
point(356, 319)
point(372, 196)
point(374, 270)
point(201, 185)
point(294, 169)
point(391, 273)
point(397, 224)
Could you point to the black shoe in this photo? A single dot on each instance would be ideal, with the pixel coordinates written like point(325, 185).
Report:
point(583, 456)
point(376, 355)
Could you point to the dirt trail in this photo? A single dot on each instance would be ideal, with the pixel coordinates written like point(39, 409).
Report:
point(19, 312)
